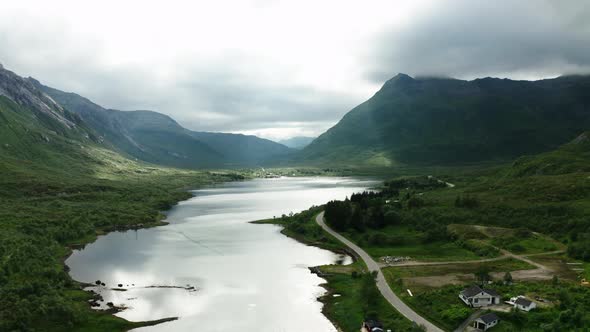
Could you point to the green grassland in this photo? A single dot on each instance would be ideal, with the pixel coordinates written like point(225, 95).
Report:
point(357, 299)
point(519, 241)
point(405, 241)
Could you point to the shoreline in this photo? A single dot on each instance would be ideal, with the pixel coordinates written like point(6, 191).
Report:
point(301, 239)
point(330, 290)
point(159, 221)
point(81, 285)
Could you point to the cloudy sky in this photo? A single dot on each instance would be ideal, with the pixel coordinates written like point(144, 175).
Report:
point(280, 68)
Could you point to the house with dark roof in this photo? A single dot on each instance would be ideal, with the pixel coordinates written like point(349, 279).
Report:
point(371, 325)
point(523, 303)
point(476, 297)
point(486, 321)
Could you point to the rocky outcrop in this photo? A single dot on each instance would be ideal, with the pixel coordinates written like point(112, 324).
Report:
point(582, 139)
point(23, 92)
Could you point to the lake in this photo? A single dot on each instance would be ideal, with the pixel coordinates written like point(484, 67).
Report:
point(232, 275)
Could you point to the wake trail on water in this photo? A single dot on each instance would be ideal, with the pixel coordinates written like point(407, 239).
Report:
point(197, 242)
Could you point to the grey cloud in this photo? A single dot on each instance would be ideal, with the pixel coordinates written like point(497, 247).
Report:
point(474, 38)
point(460, 38)
point(212, 97)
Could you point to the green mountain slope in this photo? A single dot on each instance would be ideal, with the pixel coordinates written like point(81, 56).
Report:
point(573, 157)
point(37, 132)
point(157, 138)
point(445, 121)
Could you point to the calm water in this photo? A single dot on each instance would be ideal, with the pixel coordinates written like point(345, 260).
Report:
point(247, 277)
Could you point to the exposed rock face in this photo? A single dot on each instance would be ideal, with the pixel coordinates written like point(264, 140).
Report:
point(583, 138)
point(23, 92)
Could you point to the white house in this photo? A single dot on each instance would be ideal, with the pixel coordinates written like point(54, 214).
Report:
point(476, 297)
point(523, 304)
point(486, 322)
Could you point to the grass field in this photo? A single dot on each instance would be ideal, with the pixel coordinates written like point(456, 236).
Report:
point(408, 242)
point(518, 241)
point(357, 298)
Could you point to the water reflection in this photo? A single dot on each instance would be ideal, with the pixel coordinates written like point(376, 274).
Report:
point(246, 277)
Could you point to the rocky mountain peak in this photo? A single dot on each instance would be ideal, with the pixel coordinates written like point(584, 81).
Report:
point(24, 92)
point(400, 80)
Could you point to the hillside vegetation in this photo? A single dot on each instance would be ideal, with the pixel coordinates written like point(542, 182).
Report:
point(517, 196)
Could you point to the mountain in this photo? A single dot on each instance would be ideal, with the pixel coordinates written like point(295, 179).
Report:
point(445, 121)
point(242, 150)
point(298, 142)
point(37, 131)
point(157, 138)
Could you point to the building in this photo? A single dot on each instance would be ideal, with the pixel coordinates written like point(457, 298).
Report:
point(371, 325)
point(476, 297)
point(524, 304)
point(486, 322)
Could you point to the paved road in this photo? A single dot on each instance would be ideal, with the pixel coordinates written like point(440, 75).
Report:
point(384, 288)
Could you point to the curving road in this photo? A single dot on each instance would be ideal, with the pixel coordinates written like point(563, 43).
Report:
point(384, 288)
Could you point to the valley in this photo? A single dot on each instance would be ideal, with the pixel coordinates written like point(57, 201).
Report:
point(437, 215)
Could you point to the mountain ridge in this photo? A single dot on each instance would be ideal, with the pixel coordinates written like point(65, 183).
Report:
point(155, 137)
point(445, 121)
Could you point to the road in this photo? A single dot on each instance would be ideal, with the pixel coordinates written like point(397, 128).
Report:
point(505, 255)
point(421, 263)
point(469, 319)
point(384, 288)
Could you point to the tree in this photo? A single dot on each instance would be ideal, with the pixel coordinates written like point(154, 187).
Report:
point(392, 218)
point(338, 214)
point(482, 275)
point(356, 220)
point(376, 217)
point(508, 278)
point(415, 202)
point(523, 233)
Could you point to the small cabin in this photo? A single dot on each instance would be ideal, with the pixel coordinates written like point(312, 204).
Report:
point(524, 304)
point(476, 297)
point(486, 322)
